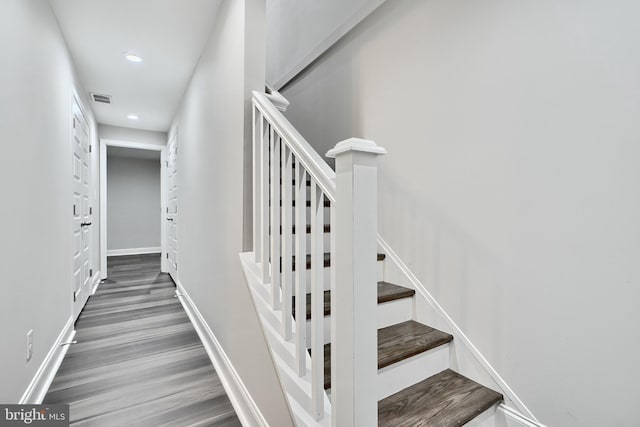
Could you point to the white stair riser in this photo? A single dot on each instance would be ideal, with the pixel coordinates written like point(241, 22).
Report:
point(393, 312)
point(388, 314)
point(401, 375)
point(326, 241)
point(491, 418)
point(327, 213)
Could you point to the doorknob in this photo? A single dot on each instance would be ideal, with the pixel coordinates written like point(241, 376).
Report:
point(85, 224)
point(170, 219)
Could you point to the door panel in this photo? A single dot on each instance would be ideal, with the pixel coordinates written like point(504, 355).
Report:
point(81, 211)
point(172, 209)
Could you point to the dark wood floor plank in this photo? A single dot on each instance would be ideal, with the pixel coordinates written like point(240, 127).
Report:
point(445, 400)
point(138, 360)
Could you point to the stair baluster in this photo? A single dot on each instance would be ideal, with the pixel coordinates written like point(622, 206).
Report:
point(287, 241)
point(275, 216)
point(300, 273)
point(282, 197)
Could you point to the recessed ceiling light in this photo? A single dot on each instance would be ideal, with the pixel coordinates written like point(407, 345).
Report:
point(132, 117)
point(133, 58)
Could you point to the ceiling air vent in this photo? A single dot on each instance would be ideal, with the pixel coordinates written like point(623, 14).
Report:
point(105, 99)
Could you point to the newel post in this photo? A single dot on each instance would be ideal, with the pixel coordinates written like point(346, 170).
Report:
point(354, 354)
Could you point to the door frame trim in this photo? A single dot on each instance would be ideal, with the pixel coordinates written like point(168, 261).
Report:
point(104, 143)
point(76, 100)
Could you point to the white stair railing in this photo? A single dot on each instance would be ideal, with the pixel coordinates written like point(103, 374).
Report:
point(289, 177)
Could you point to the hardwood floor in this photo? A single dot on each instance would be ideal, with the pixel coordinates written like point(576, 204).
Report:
point(138, 360)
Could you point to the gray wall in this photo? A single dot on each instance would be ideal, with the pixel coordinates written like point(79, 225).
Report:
point(304, 29)
point(511, 184)
point(35, 129)
point(133, 202)
point(211, 124)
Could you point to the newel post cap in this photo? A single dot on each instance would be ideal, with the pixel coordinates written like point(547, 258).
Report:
point(355, 144)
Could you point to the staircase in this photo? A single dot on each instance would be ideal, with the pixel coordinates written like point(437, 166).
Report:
point(328, 219)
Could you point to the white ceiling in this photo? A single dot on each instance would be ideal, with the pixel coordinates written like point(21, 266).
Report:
point(168, 34)
point(133, 153)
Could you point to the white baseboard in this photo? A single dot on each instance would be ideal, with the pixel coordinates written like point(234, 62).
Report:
point(134, 251)
point(96, 282)
point(460, 337)
point(37, 389)
point(516, 419)
point(244, 405)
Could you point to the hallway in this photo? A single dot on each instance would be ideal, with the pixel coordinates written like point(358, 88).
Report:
point(138, 360)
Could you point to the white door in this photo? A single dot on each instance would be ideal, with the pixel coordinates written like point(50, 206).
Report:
point(171, 231)
point(82, 271)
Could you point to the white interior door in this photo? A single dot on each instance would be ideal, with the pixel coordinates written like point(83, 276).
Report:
point(171, 231)
point(82, 270)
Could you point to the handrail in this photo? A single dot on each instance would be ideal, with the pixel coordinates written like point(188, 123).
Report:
point(291, 186)
point(279, 101)
point(315, 165)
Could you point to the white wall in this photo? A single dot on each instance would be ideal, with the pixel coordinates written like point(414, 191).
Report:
point(211, 125)
point(305, 28)
point(132, 135)
point(511, 183)
point(35, 132)
point(133, 202)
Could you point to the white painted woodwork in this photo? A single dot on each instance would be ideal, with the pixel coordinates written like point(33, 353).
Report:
point(468, 360)
point(287, 242)
point(387, 314)
point(310, 160)
point(275, 216)
point(301, 274)
point(39, 385)
point(298, 387)
point(81, 209)
point(243, 403)
point(164, 183)
point(257, 230)
point(351, 244)
point(171, 210)
point(276, 98)
point(134, 251)
point(317, 300)
point(391, 379)
point(164, 208)
point(354, 337)
point(356, 387)
point(264, 200)
point(393, 312)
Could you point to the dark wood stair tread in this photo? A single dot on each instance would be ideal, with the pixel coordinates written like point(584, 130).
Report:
point(389, 292)
point(327, 260)
point(386, 292)
point(396, 343)
point(445, 399)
